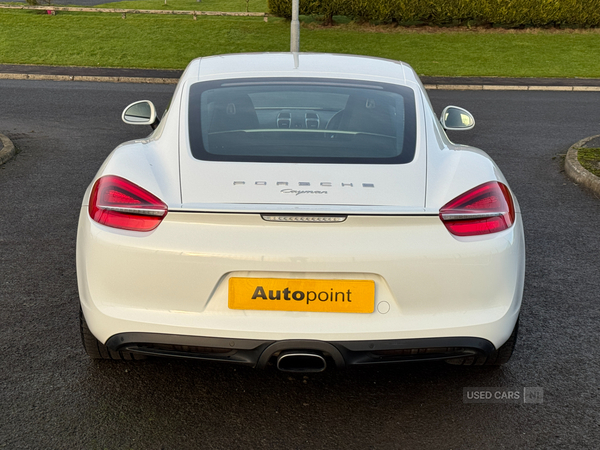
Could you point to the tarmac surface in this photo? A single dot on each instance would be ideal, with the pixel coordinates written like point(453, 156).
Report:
point(175, 74)
point(53, 396)
point(89, 71)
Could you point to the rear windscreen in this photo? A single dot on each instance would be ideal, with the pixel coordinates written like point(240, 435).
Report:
point(303, 121)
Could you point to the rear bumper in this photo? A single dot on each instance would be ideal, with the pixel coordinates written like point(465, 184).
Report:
point(174, 281)
point(258, 354)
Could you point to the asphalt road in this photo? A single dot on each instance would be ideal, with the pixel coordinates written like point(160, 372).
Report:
point(53, 397)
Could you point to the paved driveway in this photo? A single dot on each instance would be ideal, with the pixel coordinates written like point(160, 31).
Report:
point(53, 396)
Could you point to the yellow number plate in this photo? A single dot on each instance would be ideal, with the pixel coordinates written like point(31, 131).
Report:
point(280, 294)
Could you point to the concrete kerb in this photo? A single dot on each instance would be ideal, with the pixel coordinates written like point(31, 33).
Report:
point(577, 172)
point(174, 80)
point(7, 150)
point(504, 87)
point(33, 76)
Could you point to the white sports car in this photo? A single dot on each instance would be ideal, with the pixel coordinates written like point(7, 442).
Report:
point(301, 210)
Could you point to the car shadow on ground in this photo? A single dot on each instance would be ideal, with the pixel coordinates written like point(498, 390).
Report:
point(159, 393)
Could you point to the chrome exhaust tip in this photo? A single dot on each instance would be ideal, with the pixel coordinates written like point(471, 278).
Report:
point(301, 362)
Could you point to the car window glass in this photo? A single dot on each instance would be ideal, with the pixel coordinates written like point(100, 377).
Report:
point(302, 121)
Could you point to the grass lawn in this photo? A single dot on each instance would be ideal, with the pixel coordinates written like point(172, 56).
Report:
point(590, 159)
point(147, 41)
point(192, 5)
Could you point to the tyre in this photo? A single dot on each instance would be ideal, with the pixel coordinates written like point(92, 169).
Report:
point(497, 358)
point(96, 349)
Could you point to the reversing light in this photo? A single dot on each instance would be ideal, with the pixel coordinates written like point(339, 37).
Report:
point(119, 203)
point(485, 209)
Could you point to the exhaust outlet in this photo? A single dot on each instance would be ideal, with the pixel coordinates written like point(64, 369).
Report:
point(301, 362)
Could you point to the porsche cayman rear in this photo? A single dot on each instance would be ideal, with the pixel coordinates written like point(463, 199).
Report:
point(300, 210)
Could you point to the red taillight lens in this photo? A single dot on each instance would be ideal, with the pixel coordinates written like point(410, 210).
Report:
point(118, 203)
point(487, 208)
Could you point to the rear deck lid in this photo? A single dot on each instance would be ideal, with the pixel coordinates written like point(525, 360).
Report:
point(302, 144)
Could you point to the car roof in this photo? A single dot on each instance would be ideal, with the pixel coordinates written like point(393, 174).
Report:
point(319, 65)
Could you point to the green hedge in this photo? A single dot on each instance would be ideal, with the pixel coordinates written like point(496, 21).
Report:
point(515, 13)
point(283, 8)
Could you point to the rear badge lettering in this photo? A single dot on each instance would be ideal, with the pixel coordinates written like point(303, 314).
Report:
point(304, 183)
point(297, 192)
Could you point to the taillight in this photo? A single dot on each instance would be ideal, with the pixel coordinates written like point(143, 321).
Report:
point(118, 203)
point(487, 208)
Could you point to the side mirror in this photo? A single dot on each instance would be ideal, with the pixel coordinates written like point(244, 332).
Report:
point(454, 118)
point(141, 113)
